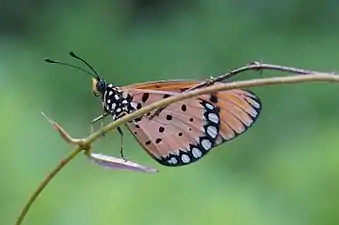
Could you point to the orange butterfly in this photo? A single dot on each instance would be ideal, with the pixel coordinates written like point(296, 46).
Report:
point(184, 131)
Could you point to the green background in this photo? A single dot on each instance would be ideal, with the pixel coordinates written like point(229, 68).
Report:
point(285, 170)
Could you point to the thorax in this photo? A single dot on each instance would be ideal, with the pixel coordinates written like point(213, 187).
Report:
point(117, 102)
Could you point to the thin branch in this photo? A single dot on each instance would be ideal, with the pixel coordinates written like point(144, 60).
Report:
point(85, 144)
point(255, 66)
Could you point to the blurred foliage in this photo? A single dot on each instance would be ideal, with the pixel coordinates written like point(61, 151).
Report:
point(283, 171)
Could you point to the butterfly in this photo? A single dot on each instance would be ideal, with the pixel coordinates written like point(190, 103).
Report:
point(185, 131)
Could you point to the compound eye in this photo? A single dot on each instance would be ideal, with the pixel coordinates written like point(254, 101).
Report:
point(101, 86)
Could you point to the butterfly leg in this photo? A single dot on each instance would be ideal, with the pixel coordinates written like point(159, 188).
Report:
point(210, 81)
point(156, 113)
point(99, 118)
point(121, 143)
point(256, 63)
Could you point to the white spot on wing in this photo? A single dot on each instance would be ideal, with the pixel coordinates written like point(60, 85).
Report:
point(110, 85)
point(247, 122)
point(185, 158)
point(206, 144)
point(116, 97)
point(196, 153)
point(212, 131)
point(109, 101)
point(173, 160)
point(209, 106)
point(253, 102)
point(134, 105)
point(124, 102)
point(213, 117)
point(110, 93)
point(253, 113)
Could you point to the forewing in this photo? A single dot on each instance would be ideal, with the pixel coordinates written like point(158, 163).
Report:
point(163, 85)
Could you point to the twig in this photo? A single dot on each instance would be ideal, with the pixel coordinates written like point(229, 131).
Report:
point(85, 144)
point(254, 66)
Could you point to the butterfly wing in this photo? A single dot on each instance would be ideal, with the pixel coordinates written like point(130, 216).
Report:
point(164, 85)
point(186, 131)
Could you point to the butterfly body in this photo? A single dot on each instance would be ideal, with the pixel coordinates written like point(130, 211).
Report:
point(116, 102)
point(184, 131)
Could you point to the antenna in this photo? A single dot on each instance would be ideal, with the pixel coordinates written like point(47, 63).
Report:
point(84, 61)
point(96, 76)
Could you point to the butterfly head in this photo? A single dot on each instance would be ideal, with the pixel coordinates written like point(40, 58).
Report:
point(99, 86)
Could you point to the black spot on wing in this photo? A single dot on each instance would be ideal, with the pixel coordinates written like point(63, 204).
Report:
point(145, 97)
point(214, 98)
point(137, 119)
